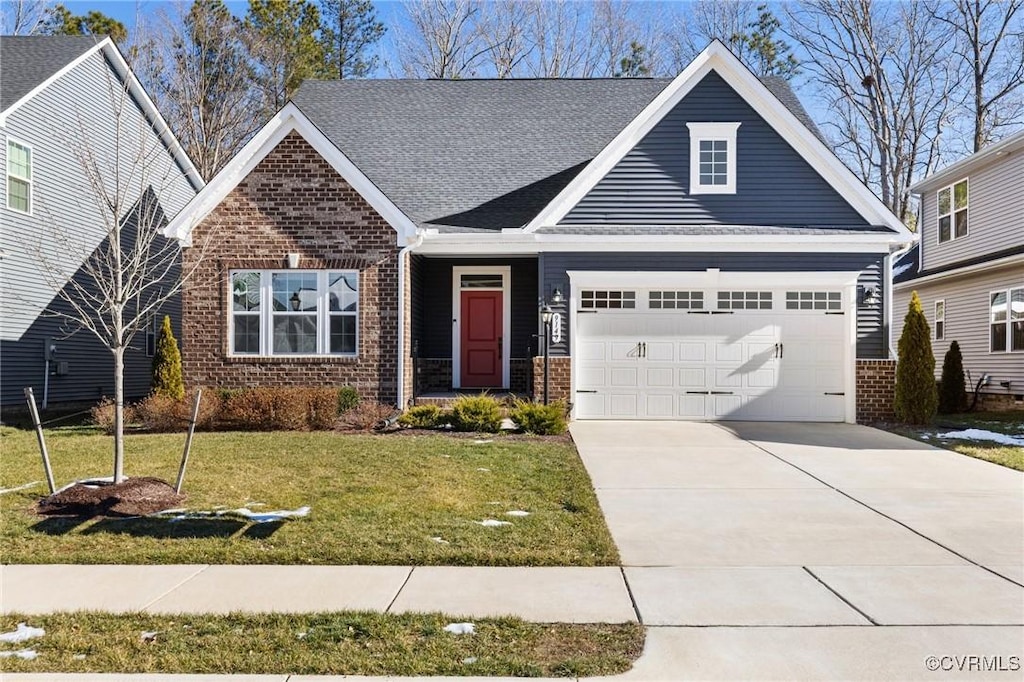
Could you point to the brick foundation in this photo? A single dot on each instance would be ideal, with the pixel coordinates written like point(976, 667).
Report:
point(998, 402)
point(292, 202)
point(434, 375)
point(876, 390)
point(559, 377)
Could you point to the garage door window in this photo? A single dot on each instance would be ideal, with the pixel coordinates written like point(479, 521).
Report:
point(595, 299)
point(814, 300)
point(744, 300)
point(676, 300)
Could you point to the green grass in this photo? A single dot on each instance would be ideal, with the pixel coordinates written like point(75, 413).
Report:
point(1011, 423)
point(374, 499)
point(321, 644)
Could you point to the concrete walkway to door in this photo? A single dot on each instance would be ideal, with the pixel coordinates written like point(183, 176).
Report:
point(817, 551)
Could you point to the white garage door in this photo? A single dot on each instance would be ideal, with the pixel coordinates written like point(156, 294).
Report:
point(711, 354)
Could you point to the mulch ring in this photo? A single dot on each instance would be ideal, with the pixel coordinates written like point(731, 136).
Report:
point(131, 497)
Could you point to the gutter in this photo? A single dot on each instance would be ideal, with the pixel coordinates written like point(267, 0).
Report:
point(402, 256)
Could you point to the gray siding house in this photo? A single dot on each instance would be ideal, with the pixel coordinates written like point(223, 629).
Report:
point(59, 94)
point(969, 268)
point(685, 248)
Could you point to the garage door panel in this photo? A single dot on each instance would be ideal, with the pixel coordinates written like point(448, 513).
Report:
point(660, 377)
point(623, 350)
point(660, 351)
point(592, 377)
point(693, 377)
point(766, 377)
point(725, 406)
point(660, 405)
point(693, 351)
point(591, 350)
point(692, 407)
point(728, 352)
point(622, 405)
point(728, 378)
point(622, 377)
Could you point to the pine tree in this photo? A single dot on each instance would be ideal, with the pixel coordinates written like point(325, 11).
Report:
point(952, 389)
point(167, 378)
point(916, 394)
point(350, 29)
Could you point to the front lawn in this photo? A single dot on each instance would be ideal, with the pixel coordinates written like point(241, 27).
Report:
point(394, 499)
point(1008, 423)
point(320, 644)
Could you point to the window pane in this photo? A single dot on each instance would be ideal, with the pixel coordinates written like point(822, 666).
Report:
point(245, 291)
point(19, 160)
point(1017, 319)
point(944, 229)
point(343, 333)
point(343, 291)
point(960, 195)
point(999, 337)
point(294, 291)
point(294, 334)
point(481, 281)
point(247, 334)
point(17, 194)
point(998, 307)
point(961, 223)
point(944, 202)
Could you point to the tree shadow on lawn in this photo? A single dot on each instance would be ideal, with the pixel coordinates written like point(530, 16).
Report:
point(160, 528)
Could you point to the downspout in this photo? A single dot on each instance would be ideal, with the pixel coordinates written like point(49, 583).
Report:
point(402, 256)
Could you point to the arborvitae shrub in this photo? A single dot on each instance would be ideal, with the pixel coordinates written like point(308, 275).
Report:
point(167, 378)
point(952, 387)
point(916, 394)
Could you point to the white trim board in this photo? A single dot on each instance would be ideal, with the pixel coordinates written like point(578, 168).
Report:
point(120, 65)
point(506, 319)
point(713, 278)
point(717, 57)
point(289, 119)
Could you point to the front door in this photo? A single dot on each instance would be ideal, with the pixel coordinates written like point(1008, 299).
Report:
point(481, 351)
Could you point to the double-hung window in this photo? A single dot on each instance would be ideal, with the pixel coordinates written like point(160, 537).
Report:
point(1006, 320)
point(940, 320)
point(713, 158)
point(952, 210)
point(19, 176)
point(294, 312)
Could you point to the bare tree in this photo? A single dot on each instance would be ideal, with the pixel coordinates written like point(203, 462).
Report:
point(443, 40)
point(503, 26)
point(22, 17)
point(563, 43)
point(198, 64)
point(113, 270)
point(990, 45)
point(704, 21)
point(884, 76)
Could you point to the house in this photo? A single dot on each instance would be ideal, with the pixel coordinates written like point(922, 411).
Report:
point(60, 95)
point(969, 269)
point(703, 253)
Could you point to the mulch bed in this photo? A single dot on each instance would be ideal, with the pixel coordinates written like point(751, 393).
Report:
point(131, 497)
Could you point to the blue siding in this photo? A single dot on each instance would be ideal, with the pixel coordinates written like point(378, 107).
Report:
point(775, 185)
point(871, 332)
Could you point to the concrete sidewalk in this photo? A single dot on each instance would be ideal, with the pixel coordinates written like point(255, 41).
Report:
point(543, 595)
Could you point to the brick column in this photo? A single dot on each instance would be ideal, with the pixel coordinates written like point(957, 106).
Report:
point(876, 390)
point(558, 378)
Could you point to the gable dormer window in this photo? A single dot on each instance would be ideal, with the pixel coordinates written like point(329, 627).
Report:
point(19, 177)
point(952, 210)
point(713, 158)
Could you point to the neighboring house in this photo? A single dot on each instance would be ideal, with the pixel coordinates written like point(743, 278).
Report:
point(705, 254)
point(58, 93)
point(968, 269)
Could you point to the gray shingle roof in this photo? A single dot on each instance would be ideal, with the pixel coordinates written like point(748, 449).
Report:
point(470, 155)
point(27, 61)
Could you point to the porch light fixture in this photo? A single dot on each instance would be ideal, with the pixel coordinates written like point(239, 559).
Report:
point(869, 295)
point(556, 297)
point(546, 315)
point(295, 301)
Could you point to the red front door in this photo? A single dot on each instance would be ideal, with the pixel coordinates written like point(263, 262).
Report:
point(480, 356)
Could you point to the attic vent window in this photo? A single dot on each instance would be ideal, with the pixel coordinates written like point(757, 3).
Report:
point(713, 158)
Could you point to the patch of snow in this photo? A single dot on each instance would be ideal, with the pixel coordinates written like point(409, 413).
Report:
point(149, 635)
point(23, 654)
point(33, 484)
point(469, 661)
point(79, 657)
point(439, 540)
point(508, 425)
point(250, 505)
point(300, 635)
point(493, 523)
point(482, 442)
point(982, 434)
point(925, 436)
point(517, 512)
point(22, 633)
point(482, 469)
point(269, 517)
point(900, 269)
point(460, 628)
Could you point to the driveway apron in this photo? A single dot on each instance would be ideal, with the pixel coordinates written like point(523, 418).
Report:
point(762, 526)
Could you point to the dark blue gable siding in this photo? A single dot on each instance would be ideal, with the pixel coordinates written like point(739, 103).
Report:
point(775, 186)
point(871, 331)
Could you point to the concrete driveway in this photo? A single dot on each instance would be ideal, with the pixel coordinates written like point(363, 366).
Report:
point(827, 545)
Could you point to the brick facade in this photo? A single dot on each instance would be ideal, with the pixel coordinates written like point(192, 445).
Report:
point(559, 377)
point(293, 201)
point(876, 390)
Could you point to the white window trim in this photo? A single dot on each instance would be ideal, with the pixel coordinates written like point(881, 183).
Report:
point(952, 212)
point(8, 175)
point(1009, 319)
point(712, 131)
point(266, 315)
point(942, 319)
point(506, 318)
